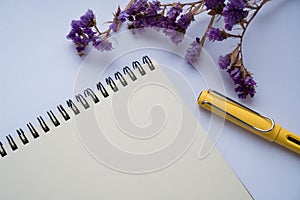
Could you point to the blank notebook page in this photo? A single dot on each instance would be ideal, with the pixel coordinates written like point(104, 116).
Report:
point(139, 142)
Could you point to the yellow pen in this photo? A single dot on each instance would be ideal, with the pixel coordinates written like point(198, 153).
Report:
point(248, 119)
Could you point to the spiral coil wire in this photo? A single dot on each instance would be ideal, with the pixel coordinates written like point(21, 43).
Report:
point(81, 99)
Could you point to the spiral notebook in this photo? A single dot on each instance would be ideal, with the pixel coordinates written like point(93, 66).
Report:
point(132, 138)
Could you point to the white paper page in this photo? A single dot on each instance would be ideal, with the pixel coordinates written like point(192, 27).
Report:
point(141, 142)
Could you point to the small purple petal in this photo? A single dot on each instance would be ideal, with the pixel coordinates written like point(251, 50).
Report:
point(245, 86)
point(71, 35)
point(234, 12)
point(76, 24)
point(193, 52)
point(185, 20)
point(235, 73)
point(80, 50)
point(175, 36)
point(153, 8)
point(174, 12)
point(123, 16)
point(89, 32)
point(87, 18)
point(113, 26)
point(103, 45)
point(216, 5)
point(215, 34)
point(137, 7)
point(249, 81)
point(224, 61)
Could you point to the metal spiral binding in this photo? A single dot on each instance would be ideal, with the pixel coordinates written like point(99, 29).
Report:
point(88, 93)
point(33, 131)
point(119, 76)
point(112, 84)
point(127, 70)
point(102, 89)
point(72, 105)
point(53, 118)
point(11, 142)
point(82, 100)
point(147, 60)
point(2, 150)
point(63, 112)
point(22, 136)
point(43, 124)
point(136, 64)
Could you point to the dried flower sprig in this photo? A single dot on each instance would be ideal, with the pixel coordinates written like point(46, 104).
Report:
point(173, 19)
point(236, 13)
point(85, 31)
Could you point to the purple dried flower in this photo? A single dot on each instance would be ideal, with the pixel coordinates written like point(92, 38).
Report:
point(164, 22)
point(224, 61)
point(153, 8)
point(149, 21)
point(82, 34)
point(235, 74)
point(103, 45)
point(245, 86)
point(113, 26)
point(80, 49)
point(140, 5)
point(88, 18)
point(249, 81)
point(76, 24)
point(193, 51)
point(89, 32)
point(71, 35)
point(139, 22)
point(142, 14)
point(215, 34)
point(137, 7)
point(185, 20)
point(175, 36)
point(174, 12)
point(234, 12)
point(123, 16)
point(216, 5)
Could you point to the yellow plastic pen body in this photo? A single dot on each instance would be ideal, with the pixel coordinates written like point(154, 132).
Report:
point(249, 119)
point(289, 140)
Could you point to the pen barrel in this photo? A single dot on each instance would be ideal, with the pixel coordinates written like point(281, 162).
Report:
point(239, 115)
point(288, 140)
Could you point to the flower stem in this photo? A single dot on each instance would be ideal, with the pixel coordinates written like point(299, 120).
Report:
point(240, 44)
point(233, 35)
point(212, 19)
point(253, 15)
point(195, 11)
point(129, 4)
point(97, 29)
point(184, 4)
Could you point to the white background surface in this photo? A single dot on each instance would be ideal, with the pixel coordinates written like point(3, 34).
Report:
point(39, 67)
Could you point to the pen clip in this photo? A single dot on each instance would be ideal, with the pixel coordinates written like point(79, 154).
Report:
point(235, 117)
